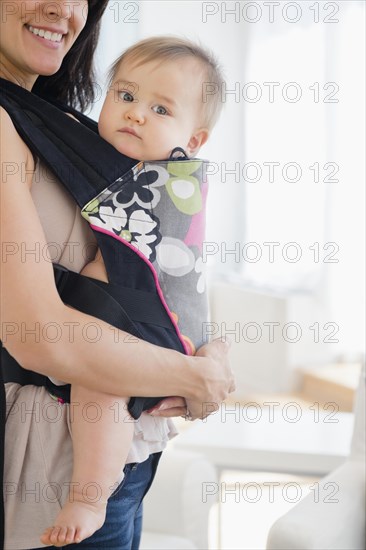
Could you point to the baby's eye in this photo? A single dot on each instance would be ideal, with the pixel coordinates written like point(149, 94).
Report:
point(126, 96)
point(160, 110)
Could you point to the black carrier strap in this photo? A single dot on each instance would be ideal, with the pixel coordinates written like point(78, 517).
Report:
point(138, 305)
point(74, 152)
point(85, 164)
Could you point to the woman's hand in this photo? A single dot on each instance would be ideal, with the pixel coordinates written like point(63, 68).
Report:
point(217, 375)
point(218, 383)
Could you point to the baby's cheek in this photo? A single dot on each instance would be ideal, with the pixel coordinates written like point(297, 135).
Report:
point(101, 127)
point(105, 121)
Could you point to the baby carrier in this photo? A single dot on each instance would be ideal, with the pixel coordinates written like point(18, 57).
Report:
point(121, 199)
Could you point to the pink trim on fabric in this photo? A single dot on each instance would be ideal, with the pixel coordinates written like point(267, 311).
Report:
point(196, 232)
point(157, 284)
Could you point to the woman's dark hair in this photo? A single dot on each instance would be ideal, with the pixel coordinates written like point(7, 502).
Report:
point(73, 83)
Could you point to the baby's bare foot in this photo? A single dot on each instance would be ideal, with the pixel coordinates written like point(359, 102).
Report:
point(77, 521)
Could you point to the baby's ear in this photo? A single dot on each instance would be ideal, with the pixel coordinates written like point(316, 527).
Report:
point(198, 139)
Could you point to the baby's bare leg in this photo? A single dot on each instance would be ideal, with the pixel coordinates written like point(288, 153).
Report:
point(102, 432)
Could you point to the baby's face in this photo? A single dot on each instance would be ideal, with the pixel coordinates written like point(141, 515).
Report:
point(154, 107)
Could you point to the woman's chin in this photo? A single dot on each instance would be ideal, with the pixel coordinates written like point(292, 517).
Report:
point(46, 67)
point(49, 70)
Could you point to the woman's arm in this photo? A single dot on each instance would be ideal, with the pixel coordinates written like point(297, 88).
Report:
point(32, 312)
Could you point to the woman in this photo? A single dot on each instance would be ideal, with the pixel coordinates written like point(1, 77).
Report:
point(41, 450)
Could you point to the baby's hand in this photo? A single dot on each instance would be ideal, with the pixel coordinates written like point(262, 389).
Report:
point(170, 406)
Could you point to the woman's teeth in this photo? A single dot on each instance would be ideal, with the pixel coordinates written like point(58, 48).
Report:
point(48, 35)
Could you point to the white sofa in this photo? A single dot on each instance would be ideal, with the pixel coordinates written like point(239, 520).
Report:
point(325, 525)
point(176, 512)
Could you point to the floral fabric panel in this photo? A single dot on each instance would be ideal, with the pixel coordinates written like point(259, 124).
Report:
point(159, 208)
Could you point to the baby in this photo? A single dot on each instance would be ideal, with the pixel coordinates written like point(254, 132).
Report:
point(155, 103)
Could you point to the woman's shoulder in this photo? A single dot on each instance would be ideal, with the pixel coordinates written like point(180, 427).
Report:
point(15, 155)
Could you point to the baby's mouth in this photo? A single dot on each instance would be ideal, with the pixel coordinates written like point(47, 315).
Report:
point(130, 131)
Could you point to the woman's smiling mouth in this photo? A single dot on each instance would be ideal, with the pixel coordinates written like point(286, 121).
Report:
point(51, 36)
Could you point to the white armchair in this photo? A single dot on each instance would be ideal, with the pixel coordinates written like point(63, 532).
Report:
point(175, 512)
point(328, 525)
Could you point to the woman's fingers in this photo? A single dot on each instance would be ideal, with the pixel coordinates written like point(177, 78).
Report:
point(170, 406)
point(218, 347)
point(218, 377)
point(219, 382)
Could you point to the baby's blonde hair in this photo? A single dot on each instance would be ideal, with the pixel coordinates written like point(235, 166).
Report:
point(168, 48)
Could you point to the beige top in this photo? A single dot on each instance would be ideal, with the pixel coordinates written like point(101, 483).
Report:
point(38, 460)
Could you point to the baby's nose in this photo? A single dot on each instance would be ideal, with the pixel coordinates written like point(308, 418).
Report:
point(135, 114)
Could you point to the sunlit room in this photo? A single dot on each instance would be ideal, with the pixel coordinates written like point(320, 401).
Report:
point(280, 464)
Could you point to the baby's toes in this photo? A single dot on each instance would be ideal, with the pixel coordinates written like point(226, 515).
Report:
point(61, 537)
point(45, 538)
point(54, 535)
point(78, 536)
point(70, 535)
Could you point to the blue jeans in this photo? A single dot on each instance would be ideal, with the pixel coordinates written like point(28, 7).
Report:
point(122, 527)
